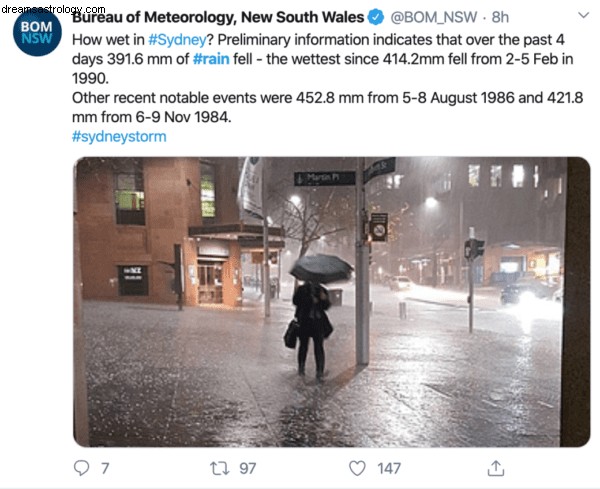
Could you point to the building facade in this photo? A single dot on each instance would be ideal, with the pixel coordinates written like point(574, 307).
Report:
point(516, 205)
point(146, 222)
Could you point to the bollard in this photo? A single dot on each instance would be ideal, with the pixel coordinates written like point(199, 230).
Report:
point(402, 309)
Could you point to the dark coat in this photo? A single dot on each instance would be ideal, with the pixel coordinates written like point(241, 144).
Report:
point(311, 301)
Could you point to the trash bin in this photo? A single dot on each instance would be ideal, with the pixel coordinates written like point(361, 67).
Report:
point(335, 297)
point(273, 291)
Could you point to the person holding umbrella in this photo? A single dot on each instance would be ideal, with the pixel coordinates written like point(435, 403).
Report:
point(311, 301)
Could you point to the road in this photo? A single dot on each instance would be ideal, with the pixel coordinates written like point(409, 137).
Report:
point(446, 306)
point(217, 377)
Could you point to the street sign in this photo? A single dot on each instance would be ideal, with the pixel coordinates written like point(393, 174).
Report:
point(378, 226)
point(380, 167)
point(324, 178)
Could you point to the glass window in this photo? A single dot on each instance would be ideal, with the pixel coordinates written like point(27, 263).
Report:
point(129, 194)
point(518, 176)
point(393, 182)
point(133, 280)
point(536, 176)
point(496, 176)
point(474, 174)
point(389, 182)
point(207, 191)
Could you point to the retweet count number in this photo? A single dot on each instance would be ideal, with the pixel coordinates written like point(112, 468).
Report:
point(247, 468)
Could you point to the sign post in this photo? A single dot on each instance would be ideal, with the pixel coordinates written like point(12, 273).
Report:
point(362, 270)
point(473, 249)
point(266, 269)
point(252, 198)
point(179, 275)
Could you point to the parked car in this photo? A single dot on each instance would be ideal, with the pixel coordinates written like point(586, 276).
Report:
point(400, 283)
point(517, 292)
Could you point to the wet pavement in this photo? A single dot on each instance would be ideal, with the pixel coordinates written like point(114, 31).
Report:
point(209, 377)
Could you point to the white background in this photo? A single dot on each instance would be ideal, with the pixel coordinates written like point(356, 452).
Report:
point(36, 204)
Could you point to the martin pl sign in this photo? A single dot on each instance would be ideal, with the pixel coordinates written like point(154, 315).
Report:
point(324, 178)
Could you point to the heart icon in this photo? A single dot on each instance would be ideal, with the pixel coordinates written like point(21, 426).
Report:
point(357, 467)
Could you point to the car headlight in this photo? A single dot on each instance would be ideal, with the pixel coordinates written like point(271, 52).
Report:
point(526, 296)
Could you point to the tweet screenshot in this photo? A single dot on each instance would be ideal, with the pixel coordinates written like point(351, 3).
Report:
point(299, 245)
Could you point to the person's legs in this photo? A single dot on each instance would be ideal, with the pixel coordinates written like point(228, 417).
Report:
point(302, 351)
point(319, 355)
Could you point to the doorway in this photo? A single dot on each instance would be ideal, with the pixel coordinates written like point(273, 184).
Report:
point(210, 283)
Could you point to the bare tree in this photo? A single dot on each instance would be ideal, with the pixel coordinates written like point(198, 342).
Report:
point(308, 219)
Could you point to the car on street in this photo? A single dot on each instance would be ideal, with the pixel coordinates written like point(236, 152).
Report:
point(400, 283)
point(519, 292)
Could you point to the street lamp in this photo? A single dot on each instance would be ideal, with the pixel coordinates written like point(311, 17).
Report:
point(431, 202)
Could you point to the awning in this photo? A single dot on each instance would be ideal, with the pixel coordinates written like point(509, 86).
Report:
point(249, 236)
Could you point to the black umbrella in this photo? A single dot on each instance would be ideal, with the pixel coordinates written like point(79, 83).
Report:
point(322, 269)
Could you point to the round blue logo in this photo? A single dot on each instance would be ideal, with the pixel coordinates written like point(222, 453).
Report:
point(37, 32)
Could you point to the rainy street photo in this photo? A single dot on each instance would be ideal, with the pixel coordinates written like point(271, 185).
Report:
point(438, 302)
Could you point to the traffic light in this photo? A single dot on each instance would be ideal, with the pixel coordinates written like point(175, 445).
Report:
point(468, 249)
point(474, 248)
point(478, 248)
